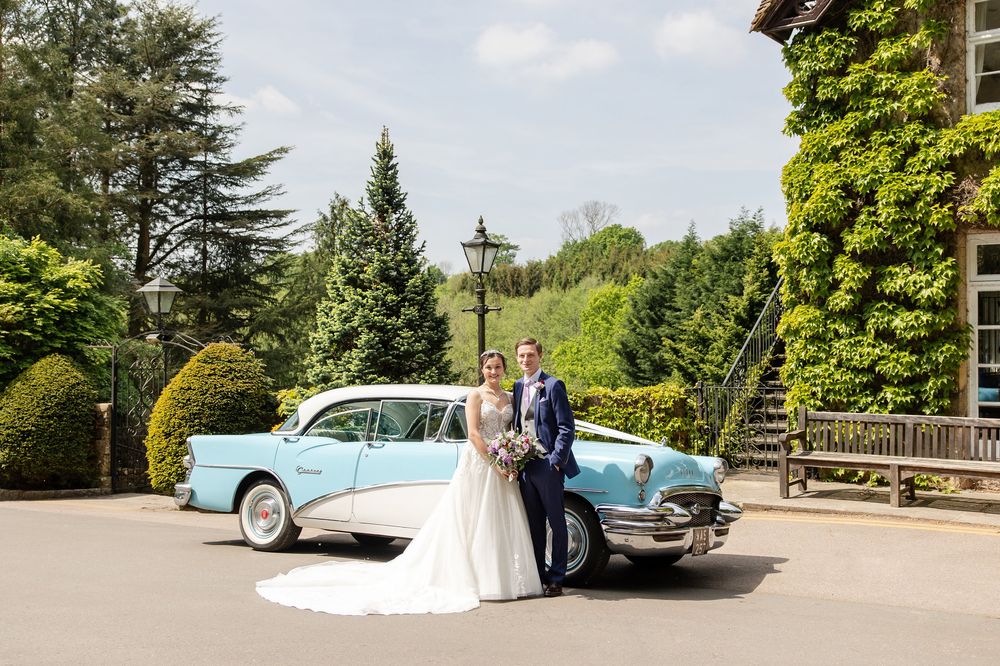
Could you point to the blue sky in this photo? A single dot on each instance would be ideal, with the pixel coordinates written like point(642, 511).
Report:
point(516, 110)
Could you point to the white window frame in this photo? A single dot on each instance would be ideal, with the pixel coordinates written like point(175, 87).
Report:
point(975, 284)
point(973, 39)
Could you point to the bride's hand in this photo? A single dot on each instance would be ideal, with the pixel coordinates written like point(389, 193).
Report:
point(504, 475)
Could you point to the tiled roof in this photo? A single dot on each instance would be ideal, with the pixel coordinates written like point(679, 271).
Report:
point(765, 8)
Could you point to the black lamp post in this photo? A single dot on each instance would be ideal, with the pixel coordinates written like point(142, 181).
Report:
point(481, 252)
point(158, 296)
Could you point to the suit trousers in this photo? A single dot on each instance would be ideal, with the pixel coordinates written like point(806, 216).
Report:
point(542, 491)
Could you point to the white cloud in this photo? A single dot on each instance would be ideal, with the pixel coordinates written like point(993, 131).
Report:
point(271, 99)
point(698, 34)
point(504, 45)
point(537, 52)
point(268, 99)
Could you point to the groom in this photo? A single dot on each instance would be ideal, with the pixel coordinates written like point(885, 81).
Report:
point(542, 410)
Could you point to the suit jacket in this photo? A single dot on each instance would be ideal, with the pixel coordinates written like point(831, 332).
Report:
point(555, 426)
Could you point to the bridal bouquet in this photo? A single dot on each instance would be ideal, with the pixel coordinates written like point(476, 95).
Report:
point(511, 451)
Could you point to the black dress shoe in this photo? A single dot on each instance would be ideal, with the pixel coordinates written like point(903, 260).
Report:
point(553, 591)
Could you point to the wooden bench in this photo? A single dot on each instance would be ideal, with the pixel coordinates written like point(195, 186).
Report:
point(898, 446)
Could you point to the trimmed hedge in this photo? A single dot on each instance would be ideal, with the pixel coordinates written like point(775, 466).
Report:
point(653, 412)
point(47, 428)
point(221, 390)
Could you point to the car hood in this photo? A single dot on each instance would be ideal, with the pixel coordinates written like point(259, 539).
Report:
point(611, 467)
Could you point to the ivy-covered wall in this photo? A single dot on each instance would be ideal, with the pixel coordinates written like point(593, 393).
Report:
point(888, 178)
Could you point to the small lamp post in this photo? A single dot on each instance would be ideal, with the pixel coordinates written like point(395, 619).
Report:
point(158, 297)
point(481, 252)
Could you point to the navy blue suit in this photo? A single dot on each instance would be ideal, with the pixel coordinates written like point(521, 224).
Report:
point(541, 483)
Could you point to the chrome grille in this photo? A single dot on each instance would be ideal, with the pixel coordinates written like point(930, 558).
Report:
point(707, 504)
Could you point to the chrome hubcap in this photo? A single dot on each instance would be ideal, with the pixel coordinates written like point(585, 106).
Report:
point(577, 543)
point(264, 514)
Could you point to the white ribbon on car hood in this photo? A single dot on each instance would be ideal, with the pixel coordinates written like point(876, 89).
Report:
point(594, 429)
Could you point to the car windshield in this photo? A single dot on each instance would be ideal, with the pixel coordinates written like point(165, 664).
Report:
point(291, 424)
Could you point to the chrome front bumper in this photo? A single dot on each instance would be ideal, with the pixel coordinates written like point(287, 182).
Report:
point(665, 529)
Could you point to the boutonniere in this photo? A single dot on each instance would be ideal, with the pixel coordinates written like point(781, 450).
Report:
point(539, 385)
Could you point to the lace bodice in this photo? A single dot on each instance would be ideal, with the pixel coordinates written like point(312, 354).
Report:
point(493, 421)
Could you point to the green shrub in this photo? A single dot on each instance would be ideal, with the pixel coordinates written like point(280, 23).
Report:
point(221, 390)
point(47, 428)
point(653, 412)
point(290, 399)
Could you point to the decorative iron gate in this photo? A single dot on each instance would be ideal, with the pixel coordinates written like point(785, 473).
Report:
point(139, 372)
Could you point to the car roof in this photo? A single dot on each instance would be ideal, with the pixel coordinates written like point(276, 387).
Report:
point(312, 406)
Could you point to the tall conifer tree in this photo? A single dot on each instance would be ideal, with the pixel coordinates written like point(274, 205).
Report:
point(379, 323)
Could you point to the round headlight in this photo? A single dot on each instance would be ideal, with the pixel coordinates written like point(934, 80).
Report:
point(643, 466)
point(721, 467)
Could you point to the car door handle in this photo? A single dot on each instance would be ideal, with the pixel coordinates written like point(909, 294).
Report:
point(376, 445)
point(290, 440)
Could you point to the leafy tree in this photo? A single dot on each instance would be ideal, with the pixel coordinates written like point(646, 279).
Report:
point(49, 304)
point(49, 133)
point(379, 322)
point(507, 253)
point(550, 315)
point(587, 219)
point(589, 359)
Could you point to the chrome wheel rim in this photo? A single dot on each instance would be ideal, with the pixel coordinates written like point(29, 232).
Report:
point(263, 514)
point(578, 543)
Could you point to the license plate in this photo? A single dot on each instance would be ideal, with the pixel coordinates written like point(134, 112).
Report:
point(699, 544)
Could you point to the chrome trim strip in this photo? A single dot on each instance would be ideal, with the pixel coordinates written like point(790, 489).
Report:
point(644, 518)
point(250, 468)
point(586, 490)
point(664, 494)
point(379, 486)
point(321, 498)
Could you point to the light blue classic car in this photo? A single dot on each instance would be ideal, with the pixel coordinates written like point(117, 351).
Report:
point(372, 461)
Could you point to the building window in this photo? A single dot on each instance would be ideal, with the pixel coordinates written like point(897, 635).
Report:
point(983, 53)
point(984, 317)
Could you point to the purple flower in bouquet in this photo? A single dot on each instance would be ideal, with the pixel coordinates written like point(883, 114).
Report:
point(511, 451)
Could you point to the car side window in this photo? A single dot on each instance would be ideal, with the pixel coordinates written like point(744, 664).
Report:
point(457, 428)
point(409, 421)
point(347, 422)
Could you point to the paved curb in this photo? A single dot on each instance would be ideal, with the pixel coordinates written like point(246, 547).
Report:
point(15, 495)
point(753, 507)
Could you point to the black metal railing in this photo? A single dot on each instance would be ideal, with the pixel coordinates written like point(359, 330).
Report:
point(759, 345)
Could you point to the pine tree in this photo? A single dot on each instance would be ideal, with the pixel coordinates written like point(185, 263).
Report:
point(185, 205)
point(379, 323)
point(658, 306)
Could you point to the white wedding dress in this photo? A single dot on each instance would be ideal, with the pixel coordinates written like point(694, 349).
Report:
point(475, 545)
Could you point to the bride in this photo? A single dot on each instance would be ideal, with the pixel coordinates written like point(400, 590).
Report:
point(475, 544)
